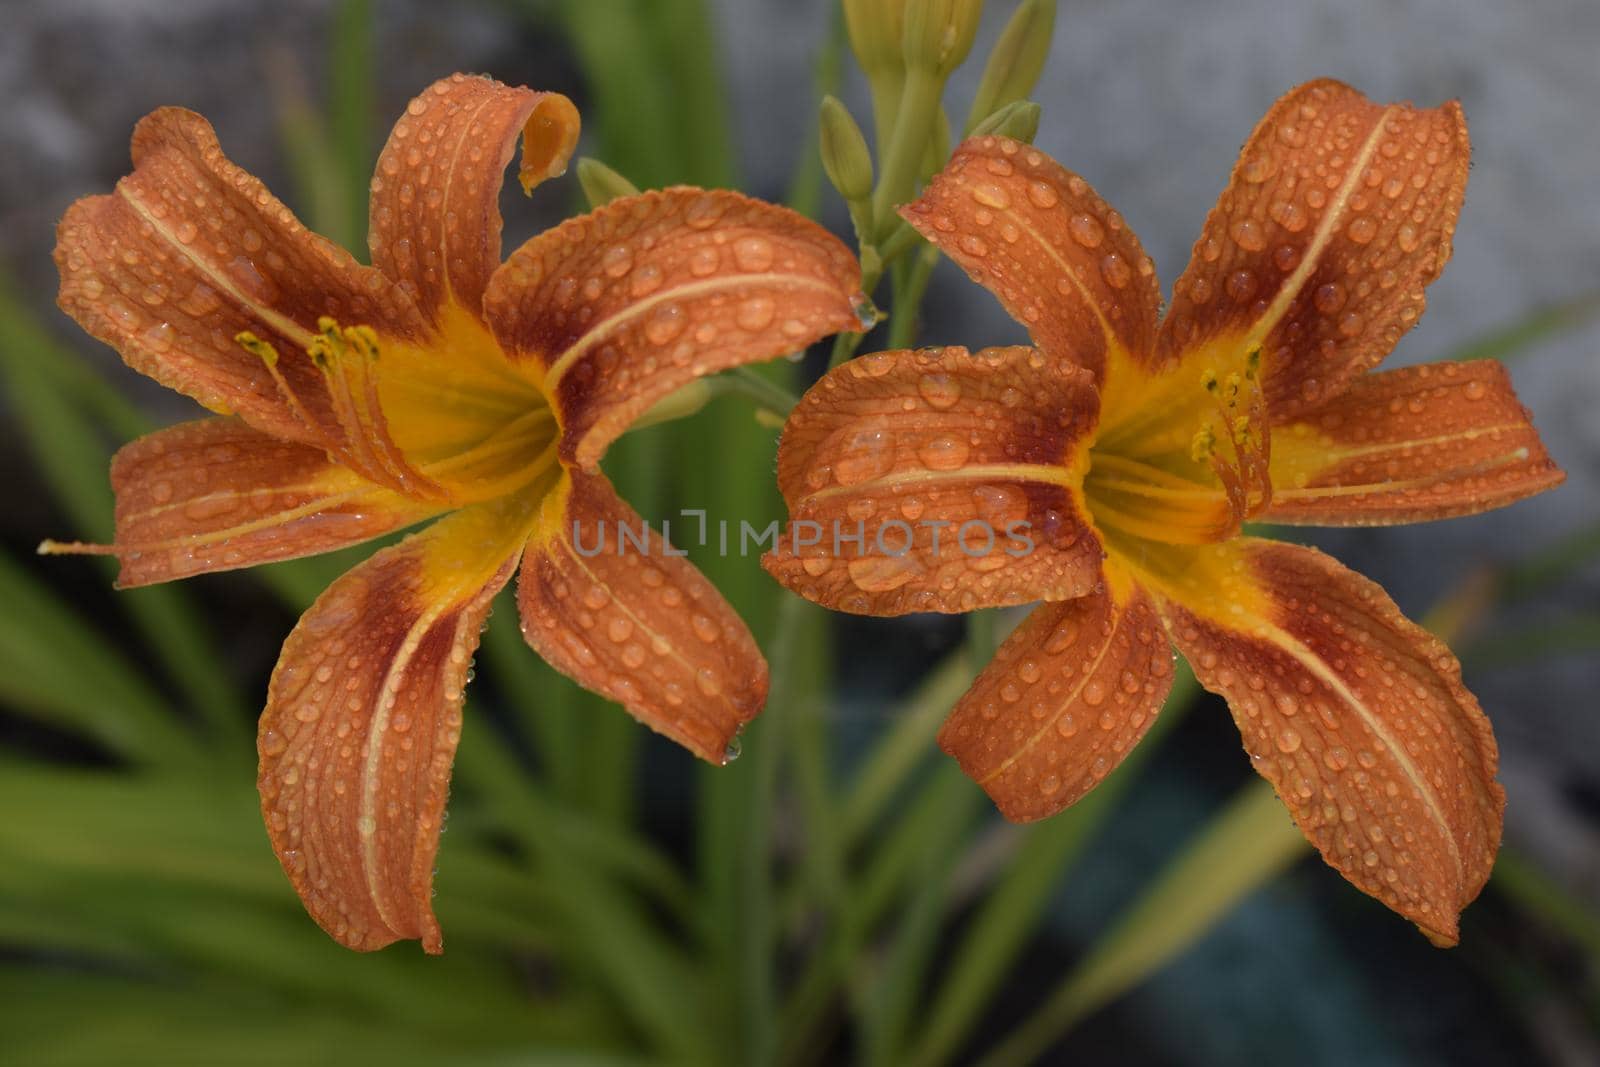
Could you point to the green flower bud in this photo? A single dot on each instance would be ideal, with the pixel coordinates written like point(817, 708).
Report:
point(844, 152)
point(1018, 120)
point(601, 184)
point(939, 34)
point(1017, 60)
point(876, 29)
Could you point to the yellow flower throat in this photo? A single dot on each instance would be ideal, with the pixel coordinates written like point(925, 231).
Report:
point(453, 422)
point(1187, 460)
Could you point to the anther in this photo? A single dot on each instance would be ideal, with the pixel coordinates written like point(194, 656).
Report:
point(268, 355)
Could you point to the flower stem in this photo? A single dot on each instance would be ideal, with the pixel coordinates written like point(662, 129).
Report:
point(919, 108)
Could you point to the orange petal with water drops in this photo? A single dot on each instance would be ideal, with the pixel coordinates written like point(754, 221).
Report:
point(1060, 259)
point(1356, 715)
point(1410, 445)
point(611, 604)
point(189, 252)
point(629, 302)
point(215, 495)
point(938, 480)
point(1066, 697)
point(362, 719)
point(1338, 214)
point(434, 222)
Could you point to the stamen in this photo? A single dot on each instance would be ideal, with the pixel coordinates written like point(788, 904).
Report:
point(357, 347)
point(1241, 414)
point(268, 355)
point(346, 356)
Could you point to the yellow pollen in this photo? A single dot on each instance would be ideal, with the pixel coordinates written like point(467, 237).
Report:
point(1241, 415)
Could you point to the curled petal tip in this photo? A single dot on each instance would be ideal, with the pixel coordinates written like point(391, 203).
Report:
point(548, 140)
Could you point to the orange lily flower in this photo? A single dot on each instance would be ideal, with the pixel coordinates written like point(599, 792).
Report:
point(439, 382)
point(1129, 449)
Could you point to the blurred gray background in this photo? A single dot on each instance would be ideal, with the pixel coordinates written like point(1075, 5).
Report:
point(1149, 101)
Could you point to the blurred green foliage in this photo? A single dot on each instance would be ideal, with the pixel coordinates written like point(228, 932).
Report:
point(143, 917)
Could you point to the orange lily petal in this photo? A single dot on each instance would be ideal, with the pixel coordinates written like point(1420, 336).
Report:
point(1355, 714)
point(1339, 212)
point(215, 495)
point(1410, 445)
point(434, 223)
point(626, 304)
point(189, 252)
point(899, 451)
point(642, 627)
point(1037, 236)
point(1065, 698)
point(362, 719)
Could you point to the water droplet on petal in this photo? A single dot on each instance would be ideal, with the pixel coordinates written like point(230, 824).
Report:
point(946, 452)
point(1043, 194)
point(1249, 235)
point(1086, 230)
point(753, 253)
point(940, 390)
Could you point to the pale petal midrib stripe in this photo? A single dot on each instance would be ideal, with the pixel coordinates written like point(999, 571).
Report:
point(1340, 454)
point(277, 321)
point(1029, 472)
point(1313, 663)
point(1321, 238)
point(1083, 681)
point(600, 330)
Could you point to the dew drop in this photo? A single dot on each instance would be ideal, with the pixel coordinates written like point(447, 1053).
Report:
point(1043, 194)
point(1115, 270)
point(617, 261)
point(1241, 285)
point(946, 452)
point(756, 313)
point(666, 323)
point(646, 280)
point(1086, 230)
point(1248, 235)
point(867, 455)
point(704, 261)
point(753, 253)
point(1329, 298)
point(990, 195)
point(940, 390)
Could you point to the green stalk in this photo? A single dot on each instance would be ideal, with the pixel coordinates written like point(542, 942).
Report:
point(541, 700)
point(757, 939)
point(913, 126)
point(763, 391)
point(896, 988)
point(908, 299)
point(1246, 844)
point(1015, 906)
point(907, 744)
point(351, 110)
point(71, 452)
point(886, 876)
